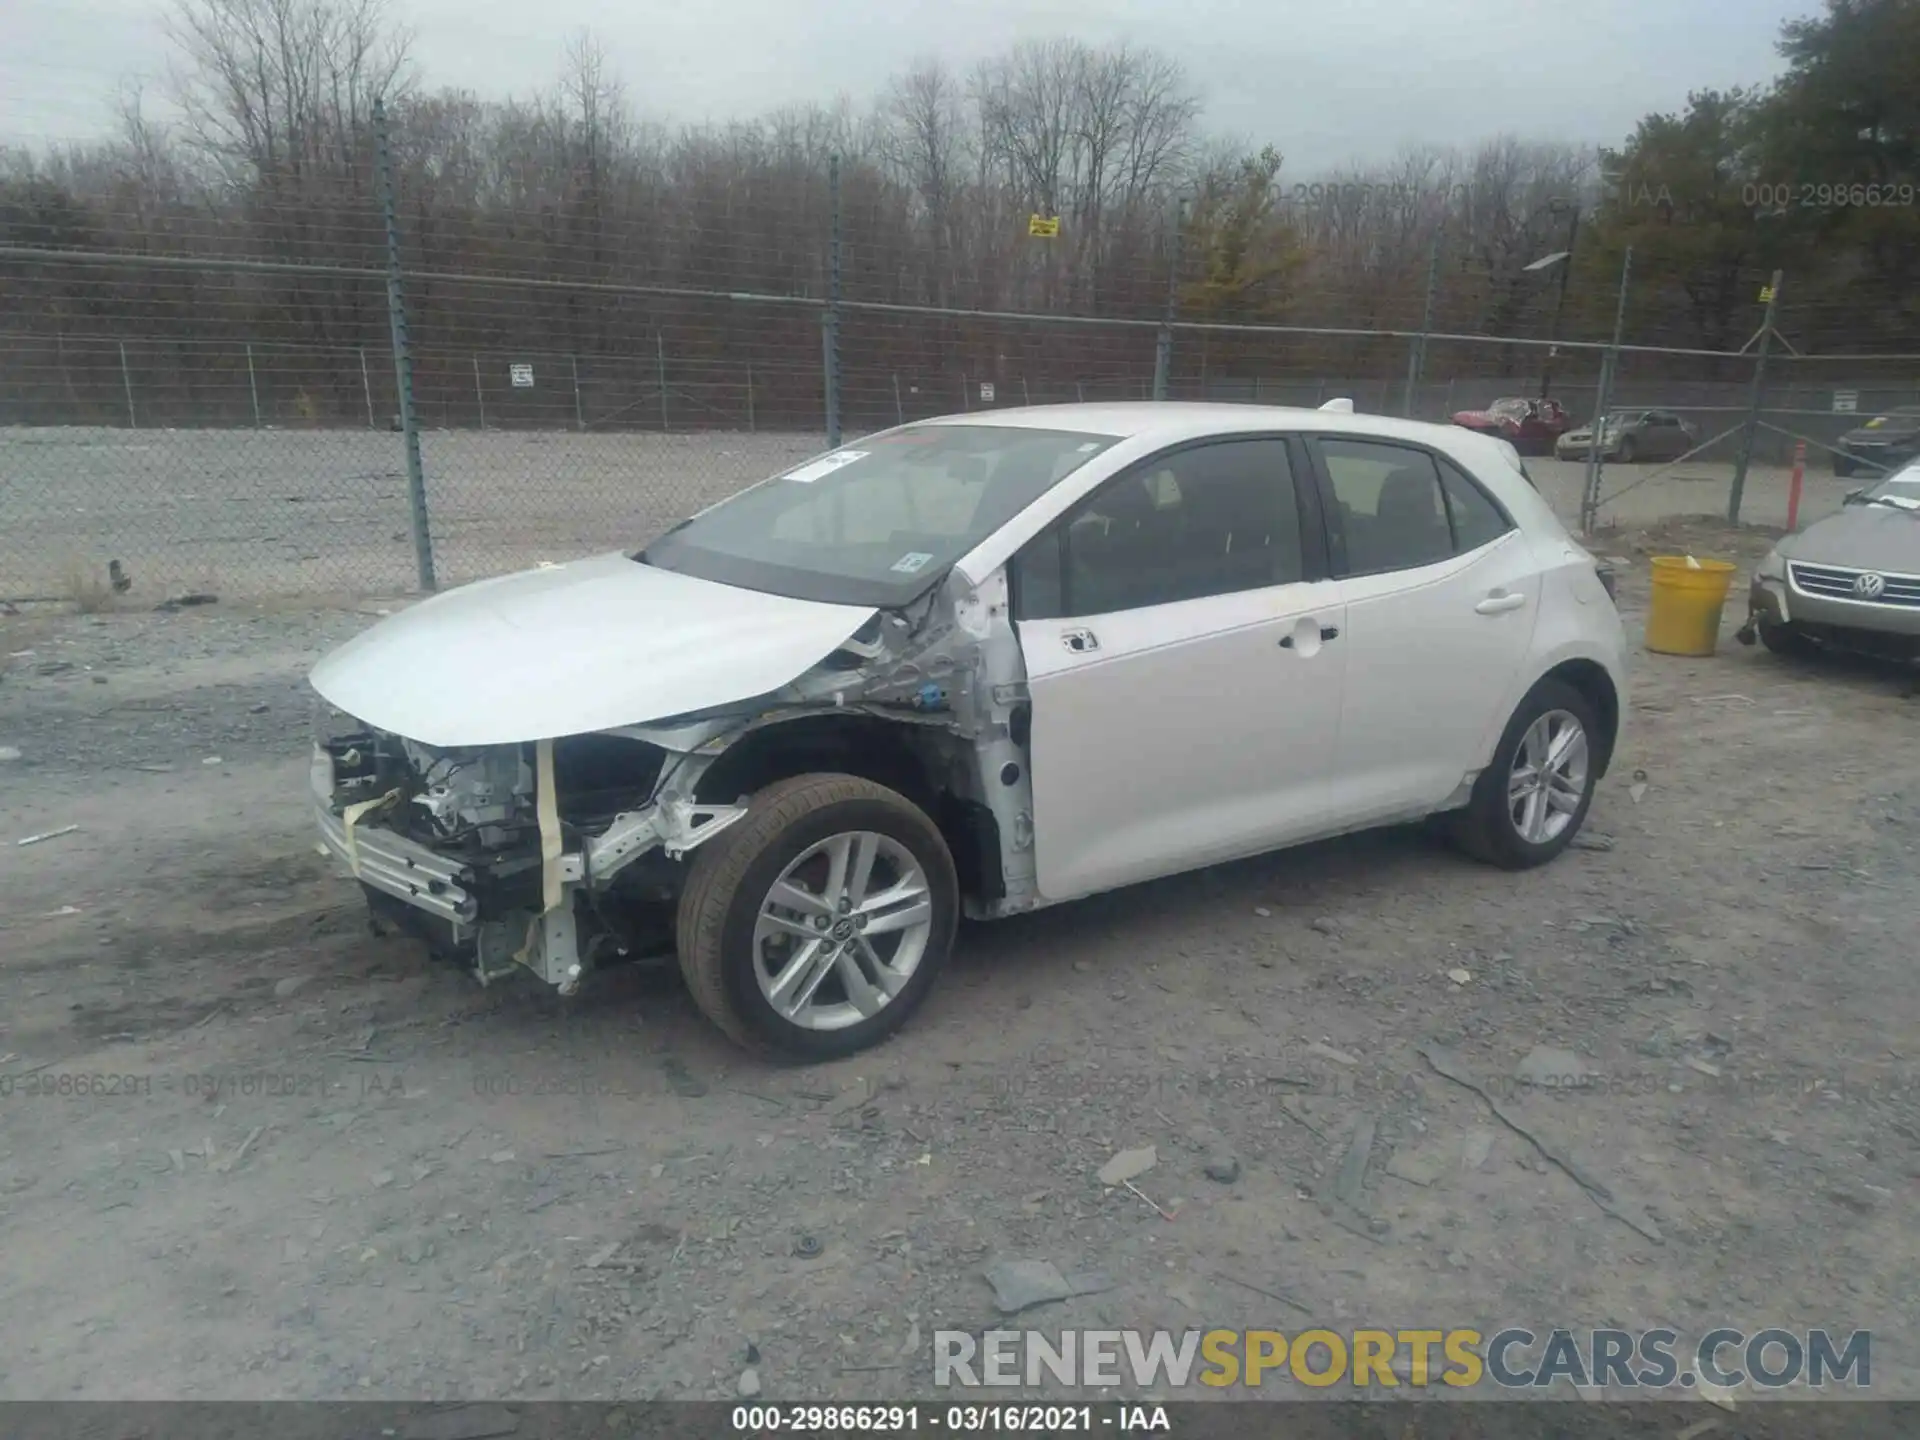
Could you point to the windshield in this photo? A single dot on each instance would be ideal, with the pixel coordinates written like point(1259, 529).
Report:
point(879, 521)
point(1901, 488)
point(1509, 409)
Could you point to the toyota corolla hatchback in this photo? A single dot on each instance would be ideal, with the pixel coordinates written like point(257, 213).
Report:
point(971, 666)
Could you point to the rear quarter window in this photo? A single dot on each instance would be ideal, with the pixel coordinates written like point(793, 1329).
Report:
point(1477, 519)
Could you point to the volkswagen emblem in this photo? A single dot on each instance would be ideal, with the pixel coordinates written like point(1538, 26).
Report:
point(1869, 586)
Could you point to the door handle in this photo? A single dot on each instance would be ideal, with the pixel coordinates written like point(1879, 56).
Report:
point(1327, 632)
point(1080, 641)
point(1499, 604)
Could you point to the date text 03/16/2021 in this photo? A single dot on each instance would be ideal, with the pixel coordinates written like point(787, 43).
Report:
point(968, 1419)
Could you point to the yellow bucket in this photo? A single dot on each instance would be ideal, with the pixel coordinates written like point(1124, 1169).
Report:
point(1688, 597)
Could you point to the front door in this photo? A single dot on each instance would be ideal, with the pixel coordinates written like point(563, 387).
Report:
point(1184, 653)
point(1668, 436)
point(1442, 593)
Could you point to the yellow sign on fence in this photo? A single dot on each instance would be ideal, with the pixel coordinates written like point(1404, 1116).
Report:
point(1046, 227)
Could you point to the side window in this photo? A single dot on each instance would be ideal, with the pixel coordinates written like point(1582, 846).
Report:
point(1387, 506)
point(1210, 520)
point(1476, 519)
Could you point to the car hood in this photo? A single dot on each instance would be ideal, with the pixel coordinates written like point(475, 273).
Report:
point(1861, 537)
point(570, 649)
point(1481, 417)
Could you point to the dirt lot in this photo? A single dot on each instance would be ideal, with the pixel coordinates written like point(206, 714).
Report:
point(249, 1151)
point(187, 510)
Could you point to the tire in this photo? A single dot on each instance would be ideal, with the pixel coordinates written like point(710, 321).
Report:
point(1486, 829)
point(1784, 640)
point(723, 947)
point(1629, 452)
point(1842, 467)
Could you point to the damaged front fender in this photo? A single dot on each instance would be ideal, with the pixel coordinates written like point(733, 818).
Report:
point(675, 824)
point(581, 836)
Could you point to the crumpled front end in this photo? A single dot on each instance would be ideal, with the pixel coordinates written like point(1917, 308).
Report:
point(381, 858)
point(556, 855)
point(536, 856)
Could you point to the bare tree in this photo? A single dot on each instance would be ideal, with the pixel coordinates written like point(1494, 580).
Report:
point(271, 157)
point(924, 142)
point(280, 91)
point(1093, 135)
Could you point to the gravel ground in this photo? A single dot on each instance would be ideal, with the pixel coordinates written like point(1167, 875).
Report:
point(249, 1151)
point(244, 513)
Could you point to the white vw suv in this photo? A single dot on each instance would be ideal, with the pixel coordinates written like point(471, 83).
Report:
point(974, 665)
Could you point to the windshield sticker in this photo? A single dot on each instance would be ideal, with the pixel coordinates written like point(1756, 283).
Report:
point(825, 465)
point(912, 563)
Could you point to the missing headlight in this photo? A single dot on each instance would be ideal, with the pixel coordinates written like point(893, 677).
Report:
point(328, 723)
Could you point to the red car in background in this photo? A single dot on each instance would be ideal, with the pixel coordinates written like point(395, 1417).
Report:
point(1530, 426)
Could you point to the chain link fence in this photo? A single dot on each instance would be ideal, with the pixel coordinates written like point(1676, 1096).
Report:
point(156, 410)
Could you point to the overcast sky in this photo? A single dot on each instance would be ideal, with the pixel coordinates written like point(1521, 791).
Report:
point(1327, 81)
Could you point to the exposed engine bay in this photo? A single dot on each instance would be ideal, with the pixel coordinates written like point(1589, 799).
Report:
point(564, 854)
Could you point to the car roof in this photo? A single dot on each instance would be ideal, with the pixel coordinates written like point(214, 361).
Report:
point(1174, 420)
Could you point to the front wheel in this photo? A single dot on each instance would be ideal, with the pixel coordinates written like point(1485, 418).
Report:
point(814, 927)
point(1629, 452)
point(1842, 467)
point(1531, 801)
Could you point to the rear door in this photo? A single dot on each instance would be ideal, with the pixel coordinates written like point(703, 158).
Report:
point(1442, 593)
point(1184, 649)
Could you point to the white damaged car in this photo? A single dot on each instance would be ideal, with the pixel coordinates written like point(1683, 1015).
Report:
point(970, 666)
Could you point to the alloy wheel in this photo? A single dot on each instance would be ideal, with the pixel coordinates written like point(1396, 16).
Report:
point(1548, 780)
point(842, 930)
